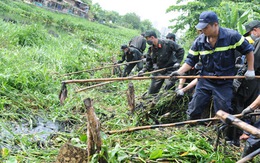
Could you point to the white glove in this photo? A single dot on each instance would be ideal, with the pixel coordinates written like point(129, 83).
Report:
point(179, 92)
point(176, 66)
point(247, 111)
point(236, 84)
point(250, 74)
point(155, 67)
point(140, 73)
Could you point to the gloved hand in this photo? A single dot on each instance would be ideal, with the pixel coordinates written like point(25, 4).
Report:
point(247, 111)
point(155, 67)
point(173, 75)
point(236, 84)
point(198, 66)
point(239, 60)
point(176, 66)
point(179, 92)
point(250, 74)
point(140, 73)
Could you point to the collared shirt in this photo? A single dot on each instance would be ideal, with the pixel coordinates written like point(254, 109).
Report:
point(166, 54)
point(218, 60)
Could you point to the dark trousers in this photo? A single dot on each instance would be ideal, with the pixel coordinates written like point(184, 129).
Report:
point(252, 143)
point(246, 94)
point(128, 68)
point(205, 90)
point(156, 84)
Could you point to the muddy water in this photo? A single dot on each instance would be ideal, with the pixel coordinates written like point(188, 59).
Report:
point(38, 131)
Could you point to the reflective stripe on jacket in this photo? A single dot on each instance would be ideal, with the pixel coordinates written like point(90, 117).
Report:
point(220, 60)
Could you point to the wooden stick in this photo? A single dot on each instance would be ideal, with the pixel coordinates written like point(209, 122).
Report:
point(152, 77)
point(230, 119)
point(101, 68)
point(166, 125)
point(101, 84)
point(249, 156)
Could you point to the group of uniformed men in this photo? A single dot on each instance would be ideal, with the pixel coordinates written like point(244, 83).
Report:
point(215, 49)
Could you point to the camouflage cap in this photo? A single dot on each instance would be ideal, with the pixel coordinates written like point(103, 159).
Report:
point(250, 26)
point(170, 35)
point(150, 33)
point(124, 47)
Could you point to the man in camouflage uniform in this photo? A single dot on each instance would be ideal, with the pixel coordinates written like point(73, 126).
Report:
point(162, 53)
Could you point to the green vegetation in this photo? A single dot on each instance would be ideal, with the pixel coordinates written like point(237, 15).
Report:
point(35, 53)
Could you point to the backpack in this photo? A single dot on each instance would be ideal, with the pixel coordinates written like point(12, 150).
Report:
point(138, 42)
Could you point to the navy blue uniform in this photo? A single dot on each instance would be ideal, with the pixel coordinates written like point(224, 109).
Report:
point(216, 61)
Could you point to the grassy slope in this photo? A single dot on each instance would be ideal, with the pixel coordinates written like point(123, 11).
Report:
point(32, 62)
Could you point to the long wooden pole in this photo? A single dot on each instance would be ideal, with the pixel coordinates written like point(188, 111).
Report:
point(230, 119)
point(249, 156)
point(94, 69)
point(152, 77)
point(166, 125)
point(104, 83)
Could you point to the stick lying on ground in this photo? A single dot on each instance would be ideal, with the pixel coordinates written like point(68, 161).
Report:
point(173, 124)
point(100, 68)
point(152, 77)
point(166, 125)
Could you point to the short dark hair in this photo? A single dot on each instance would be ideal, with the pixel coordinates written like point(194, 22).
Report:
point(150, 33)
point(171, 35)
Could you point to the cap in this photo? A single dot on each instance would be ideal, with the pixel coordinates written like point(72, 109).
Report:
point(150, 33)
point(205, 18)
point(170, 35)
point(250, 26)
point(124, 47)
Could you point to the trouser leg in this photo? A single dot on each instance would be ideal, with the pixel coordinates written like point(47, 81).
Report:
point(139, 66)
point(128, 69)
point(199, 102)
point(155, 86)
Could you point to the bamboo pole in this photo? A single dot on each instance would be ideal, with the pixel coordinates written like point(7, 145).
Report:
point(249, 157)
point(101, 84)
point(100, 68)
point(166, 125)
point(152, 77)
point(230, 119)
